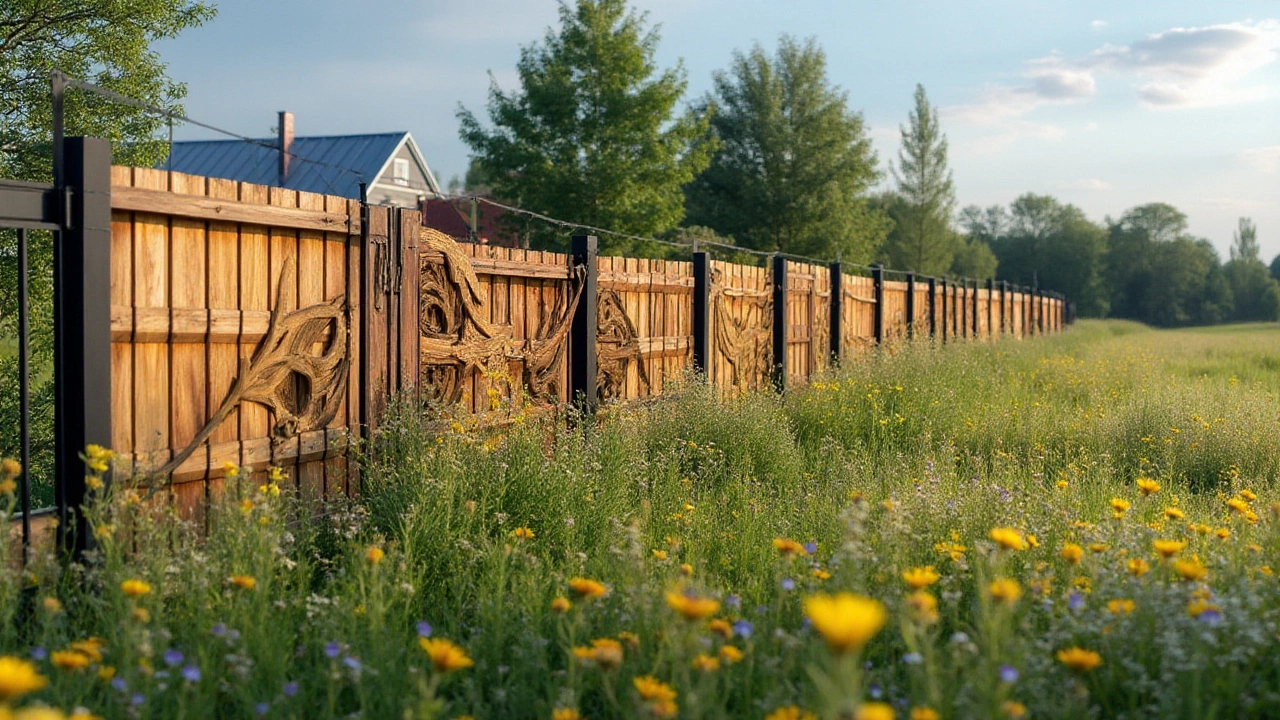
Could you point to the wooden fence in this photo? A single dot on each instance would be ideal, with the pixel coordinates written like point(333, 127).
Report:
point(264, 327)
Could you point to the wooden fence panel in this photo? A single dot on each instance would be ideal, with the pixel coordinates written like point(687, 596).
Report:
point(740, 327)
point(643, 317)
point(194, 296)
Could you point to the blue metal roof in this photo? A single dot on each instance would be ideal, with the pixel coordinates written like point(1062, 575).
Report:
point(363, 155)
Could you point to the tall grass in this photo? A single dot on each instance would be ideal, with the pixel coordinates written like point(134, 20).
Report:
point(901, 460)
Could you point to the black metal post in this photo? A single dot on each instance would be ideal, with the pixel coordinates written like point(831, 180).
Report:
point(24, 391)
point(778, 373)
point(933, 307)
point(837, 312)
point(911, 305)
point(974, 311)
point(702, 314)
point(963, 314)
point(82, 330)
point(582, 335)
point(877, 280)
point(1004, 307)
point(944, 316)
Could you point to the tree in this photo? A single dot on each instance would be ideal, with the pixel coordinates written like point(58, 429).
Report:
point(1256, 294)
point(794, 164)
point(108, 43)
point(973, 258)
point(592, 135)
point(922, 239)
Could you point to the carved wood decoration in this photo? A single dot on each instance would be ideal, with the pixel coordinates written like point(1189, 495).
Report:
point(745, 348)
point(617, 346)
point(458, 339)
point(298, 371)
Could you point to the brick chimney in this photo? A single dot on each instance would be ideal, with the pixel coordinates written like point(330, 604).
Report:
point(285, 137)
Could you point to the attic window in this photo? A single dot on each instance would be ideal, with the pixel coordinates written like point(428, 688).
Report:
point(400, 171)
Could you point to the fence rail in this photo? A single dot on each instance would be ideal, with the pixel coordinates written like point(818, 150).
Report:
point(258, 326)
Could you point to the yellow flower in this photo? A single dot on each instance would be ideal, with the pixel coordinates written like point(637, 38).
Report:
point(1097, 547)
point(821, 574)
point(135, 587)
point(1147, 486)
point(246, 506)
point(231, 470)
point(789, 548)
point(920, 577)
point(445, 655)
point(1072, 553)
point(730, 654)
point(660, 554)
point(721, 628)
point(846, 621)
point(1119, 507)
point(1238, 504)
point(686, 569)
point(1169, 548)
point(97, 458)
point(1138, 567)
point(140, 615)
point(91, 648)
point(631, 639)
point(17, 676)
point(705, 663)
point(1006, 590)
point(51, 605)
point(70, 660)
point(1013, 709)
point(874, 711)
point(244, 582)
point(374, 555)
point(8, 486)
point(1248, 495)
point(924, 713)
point(561, 605)
point(523, 533)
point(1079, 660)
point(653, 689)
point(1174, 513)
point(790, 712)
point(586, 588)
point(38, 712)
point(1222, 533)
point(607, 652)
point(1198, 607)
point(1120, 607)
point(924, 605)
point(10, 468)
point(106, 672)
point(1191, 569)
point(1008, 538)
point(1032, 541)
point(566, 714)
point(1061, 484)
point(692, 607)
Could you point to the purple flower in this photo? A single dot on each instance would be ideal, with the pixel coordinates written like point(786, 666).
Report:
point(1008, 674)
point(261, 708)
point(173, 657)
point(811, 547)
point(332, 650)
point(424, 629)
point(39, 653)
point(1210, 617)
point(743, 629)
point(733, 601)
point(1075, 601)
point(137, 699)
point(913, 658)
point(119, 684)
point(219, 630)
point(788, 584)
point(191, 673)
point(290, 689)
point(352, 663)
point(875, 692)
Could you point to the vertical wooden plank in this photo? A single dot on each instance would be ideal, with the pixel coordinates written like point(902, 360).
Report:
point(311, 291)
point(151, 358)
point(188, 276)
point(284, 250)
point(335, 285)
point(122, 426)
point(224, 307)
point(255, 300)
point(375, 384)
point(355, 348)
point(410, 223)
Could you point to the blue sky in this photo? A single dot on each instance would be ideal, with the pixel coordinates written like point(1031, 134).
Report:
point(1103, 104)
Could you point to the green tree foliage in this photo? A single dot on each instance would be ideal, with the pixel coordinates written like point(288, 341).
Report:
point(973, 258)
point(922, 239)
point(1160, 275)
point(592, 135)
point(1255, 293)
point(1041, 242)
point(108, 43)
point(794, 163)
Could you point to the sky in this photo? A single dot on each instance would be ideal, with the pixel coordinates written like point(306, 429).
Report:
point(1105, 105)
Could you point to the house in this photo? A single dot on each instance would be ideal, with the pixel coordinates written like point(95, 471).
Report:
point(390, 164)
point(454, 216)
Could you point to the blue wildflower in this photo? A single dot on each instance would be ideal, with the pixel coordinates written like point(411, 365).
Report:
point(743, 629)
point(332, 650)
point(811, 547)
point(290, 689)
point(1008, 674)
point(424, 629)
point(39, 653)
point(191, 673)
point(788, 584)
point(913, 658)
point(219, 630)
point(352, 663)
point(173, 657)
point(261, 708)
point(1075, 601)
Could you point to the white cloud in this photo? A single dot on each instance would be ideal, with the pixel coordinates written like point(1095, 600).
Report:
point(1265, 159)
point(1180, 67)
point(1087, 184)
point(1098, 24)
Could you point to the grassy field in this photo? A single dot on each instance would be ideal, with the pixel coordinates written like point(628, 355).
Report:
point(1069, 527)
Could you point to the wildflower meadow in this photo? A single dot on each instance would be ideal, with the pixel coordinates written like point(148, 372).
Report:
point(1078, 526)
